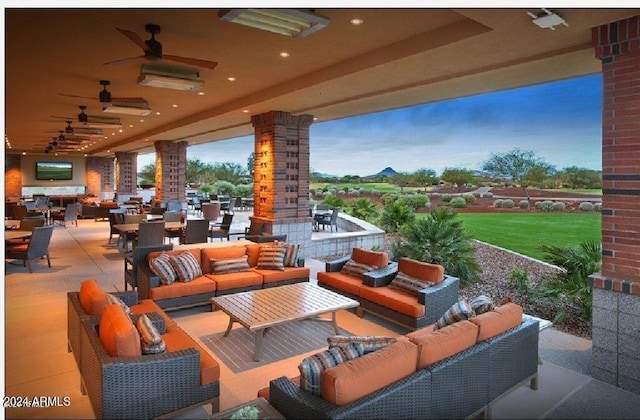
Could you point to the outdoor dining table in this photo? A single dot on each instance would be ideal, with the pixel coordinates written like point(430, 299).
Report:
point(133, 227)
point(17, 234)
point(11, 224)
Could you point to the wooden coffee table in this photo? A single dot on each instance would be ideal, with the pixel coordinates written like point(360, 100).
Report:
point(258, 310)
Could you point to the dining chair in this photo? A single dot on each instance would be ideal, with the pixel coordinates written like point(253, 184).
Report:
point(330, 220)
point(37, 247)
point(195, 232)
point(25, 225)
point(149, 234)
point(20, 212)
point(69, 214)
point(134, 218)
point(138, 256)
point(116, 217)
point(174, 205)
point(255, 228)
point(211, 211)
point(197, 205)
point(221, 230)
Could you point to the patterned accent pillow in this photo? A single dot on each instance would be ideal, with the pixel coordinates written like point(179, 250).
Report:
point(271, 257)
point(409, 284)
point(311, 367)
point(161, 266)
point(460, 311)
point(113, 299)
point(481, 304)
point(370, 343)
point(356, 269)
point(235, 265)
point(150, 339)
point(291, 255)
point(186, 266)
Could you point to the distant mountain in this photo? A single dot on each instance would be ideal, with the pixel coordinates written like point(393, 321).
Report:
point(388, 171)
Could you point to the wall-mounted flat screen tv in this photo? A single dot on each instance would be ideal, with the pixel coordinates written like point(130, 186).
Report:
point(55, 171)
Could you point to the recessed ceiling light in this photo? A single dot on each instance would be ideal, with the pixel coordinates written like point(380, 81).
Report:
point(24, 153)
point(120, 131)
point(130, 125)
point(85, 155)
point(158, 113)
point(284, 54)
point(141, 120)
point(246, 111)
point(146, 139)
point(174, 106)
point(231, 79)
point(201, 93)
point(357, 21)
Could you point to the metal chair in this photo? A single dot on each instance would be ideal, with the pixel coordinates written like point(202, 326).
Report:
point(116, 217)
point(195, 232)
point(197, 205)
point(330, 220)
point(222, 230)
point(69, 214)
point(37, 247)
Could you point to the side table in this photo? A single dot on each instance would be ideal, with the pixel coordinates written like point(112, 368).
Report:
point(265, 410)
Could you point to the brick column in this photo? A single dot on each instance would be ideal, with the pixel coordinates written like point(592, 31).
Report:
point(616, 297)
point(12, 176)
point(171, 170)
point(281, 175)
point(100, 176)
point(126, 173)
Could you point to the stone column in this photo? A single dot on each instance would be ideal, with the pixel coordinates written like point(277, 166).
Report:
point(12, 176)
point(126, 173)
point(616, 294)
point(100, 176)
point(171, 170)
point(281, 176)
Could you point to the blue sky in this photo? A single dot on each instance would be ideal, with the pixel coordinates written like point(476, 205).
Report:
point(560, 121)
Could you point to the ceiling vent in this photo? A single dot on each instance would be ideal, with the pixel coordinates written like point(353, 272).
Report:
point(170, 77)
point(137, 107)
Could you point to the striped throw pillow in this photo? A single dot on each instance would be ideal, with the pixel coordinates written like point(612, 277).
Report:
point(186, 266)
point(481, 304)
point(460, 311)
point(370, 343)
point(113, 299)
point(161, 266)
point(291, 255)
point(409, 284)
point(235, 265)
point(271, 257)
point(355, 269)
point(311, 367)
point(150, 339)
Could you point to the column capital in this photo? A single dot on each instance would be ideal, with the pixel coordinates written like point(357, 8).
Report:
point(281, 118)
point(616, 38)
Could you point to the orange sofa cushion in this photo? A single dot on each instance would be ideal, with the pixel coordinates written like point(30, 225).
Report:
point(498, 321)
point(437, 345)
point(235, 280)
point(253, 254)
point(393, 299)
point(176, 339)
point(356, 378)
point(341, 281)
point(221, 253)
point(176, 289)
point(364, 256)
point(272, 276)
point(421, 270)
point(92, 298)
point(118, 334)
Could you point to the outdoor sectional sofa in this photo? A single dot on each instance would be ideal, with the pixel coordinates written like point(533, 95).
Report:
point(374, 295)
point(133, 385)
point(458, 371)
point(200, 290)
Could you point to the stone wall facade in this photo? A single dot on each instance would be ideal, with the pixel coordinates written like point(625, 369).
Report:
point(171, 170)
point(126, 173)
point(12, 176)
point(100, 176)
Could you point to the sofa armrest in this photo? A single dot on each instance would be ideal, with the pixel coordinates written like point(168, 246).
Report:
point(147, 280)
point(130, 297)
point(336, 265)
point(156, 319)
point(287, 397)
point(439, 298)
point(381, 276)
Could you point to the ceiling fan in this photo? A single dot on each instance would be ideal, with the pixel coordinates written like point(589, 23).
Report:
point(104, 96)
point(153, 49)
point(92, 121)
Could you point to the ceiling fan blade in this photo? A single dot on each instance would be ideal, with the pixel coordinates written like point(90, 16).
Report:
point(134, 37)
point(64, 118)
point(192, 61)
point(130, 100)
point(123, 60)
point(75, 96)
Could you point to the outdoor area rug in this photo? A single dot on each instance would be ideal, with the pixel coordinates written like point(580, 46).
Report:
point(280, 342)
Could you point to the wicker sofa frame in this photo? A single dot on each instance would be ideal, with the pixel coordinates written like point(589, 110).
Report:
point(462, 386)
point(436, 299)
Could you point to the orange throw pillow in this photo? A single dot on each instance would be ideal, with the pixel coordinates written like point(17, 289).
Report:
point(118, 334)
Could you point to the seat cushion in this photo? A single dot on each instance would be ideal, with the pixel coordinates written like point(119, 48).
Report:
point(117, 333)
point(178, 289)
point(289, 273)
point(394, 299)
point(340, 281)
point(436, 345)
point(176, 339)
point(236, 280)
point(92, 298)
point(364, 256)
point(499, 320)
point(359, 377)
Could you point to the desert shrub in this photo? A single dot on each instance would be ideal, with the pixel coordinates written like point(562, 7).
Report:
point(418, 200)
point(458, 202)
point(571, 285)
point(354, 193)
point(507, 203)
point(224, 187)
point(446, 198)
point(585, 206)
point(333, 201)
point(497, 203)
point(544, 205)
point(342, 192)
point(244, 190)
point(362, 208)
point(520, 279)
point(558, 206)
point(487, 195)
point(388, 198)
point(469, 198)
point(394, 216)
point(597, 207)
point(439, 238)
point(523, 204)
point(476, 194)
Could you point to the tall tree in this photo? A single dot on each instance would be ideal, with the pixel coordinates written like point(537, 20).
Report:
point(400, 179)
point(424, 177)
point(251, 161)
point(515, 165)
point(458, 176)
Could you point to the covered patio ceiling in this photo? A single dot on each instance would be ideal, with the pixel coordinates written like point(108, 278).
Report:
point(395, 58)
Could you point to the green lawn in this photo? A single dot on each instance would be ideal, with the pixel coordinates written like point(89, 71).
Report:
point(584, 191)
point(523, 233)
point(379, 186)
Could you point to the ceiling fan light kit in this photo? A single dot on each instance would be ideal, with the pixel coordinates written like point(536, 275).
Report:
point(288, 22)
point(112, 108)
point(170, 77)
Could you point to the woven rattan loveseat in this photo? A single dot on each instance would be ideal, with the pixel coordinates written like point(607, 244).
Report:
point(465, 384)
